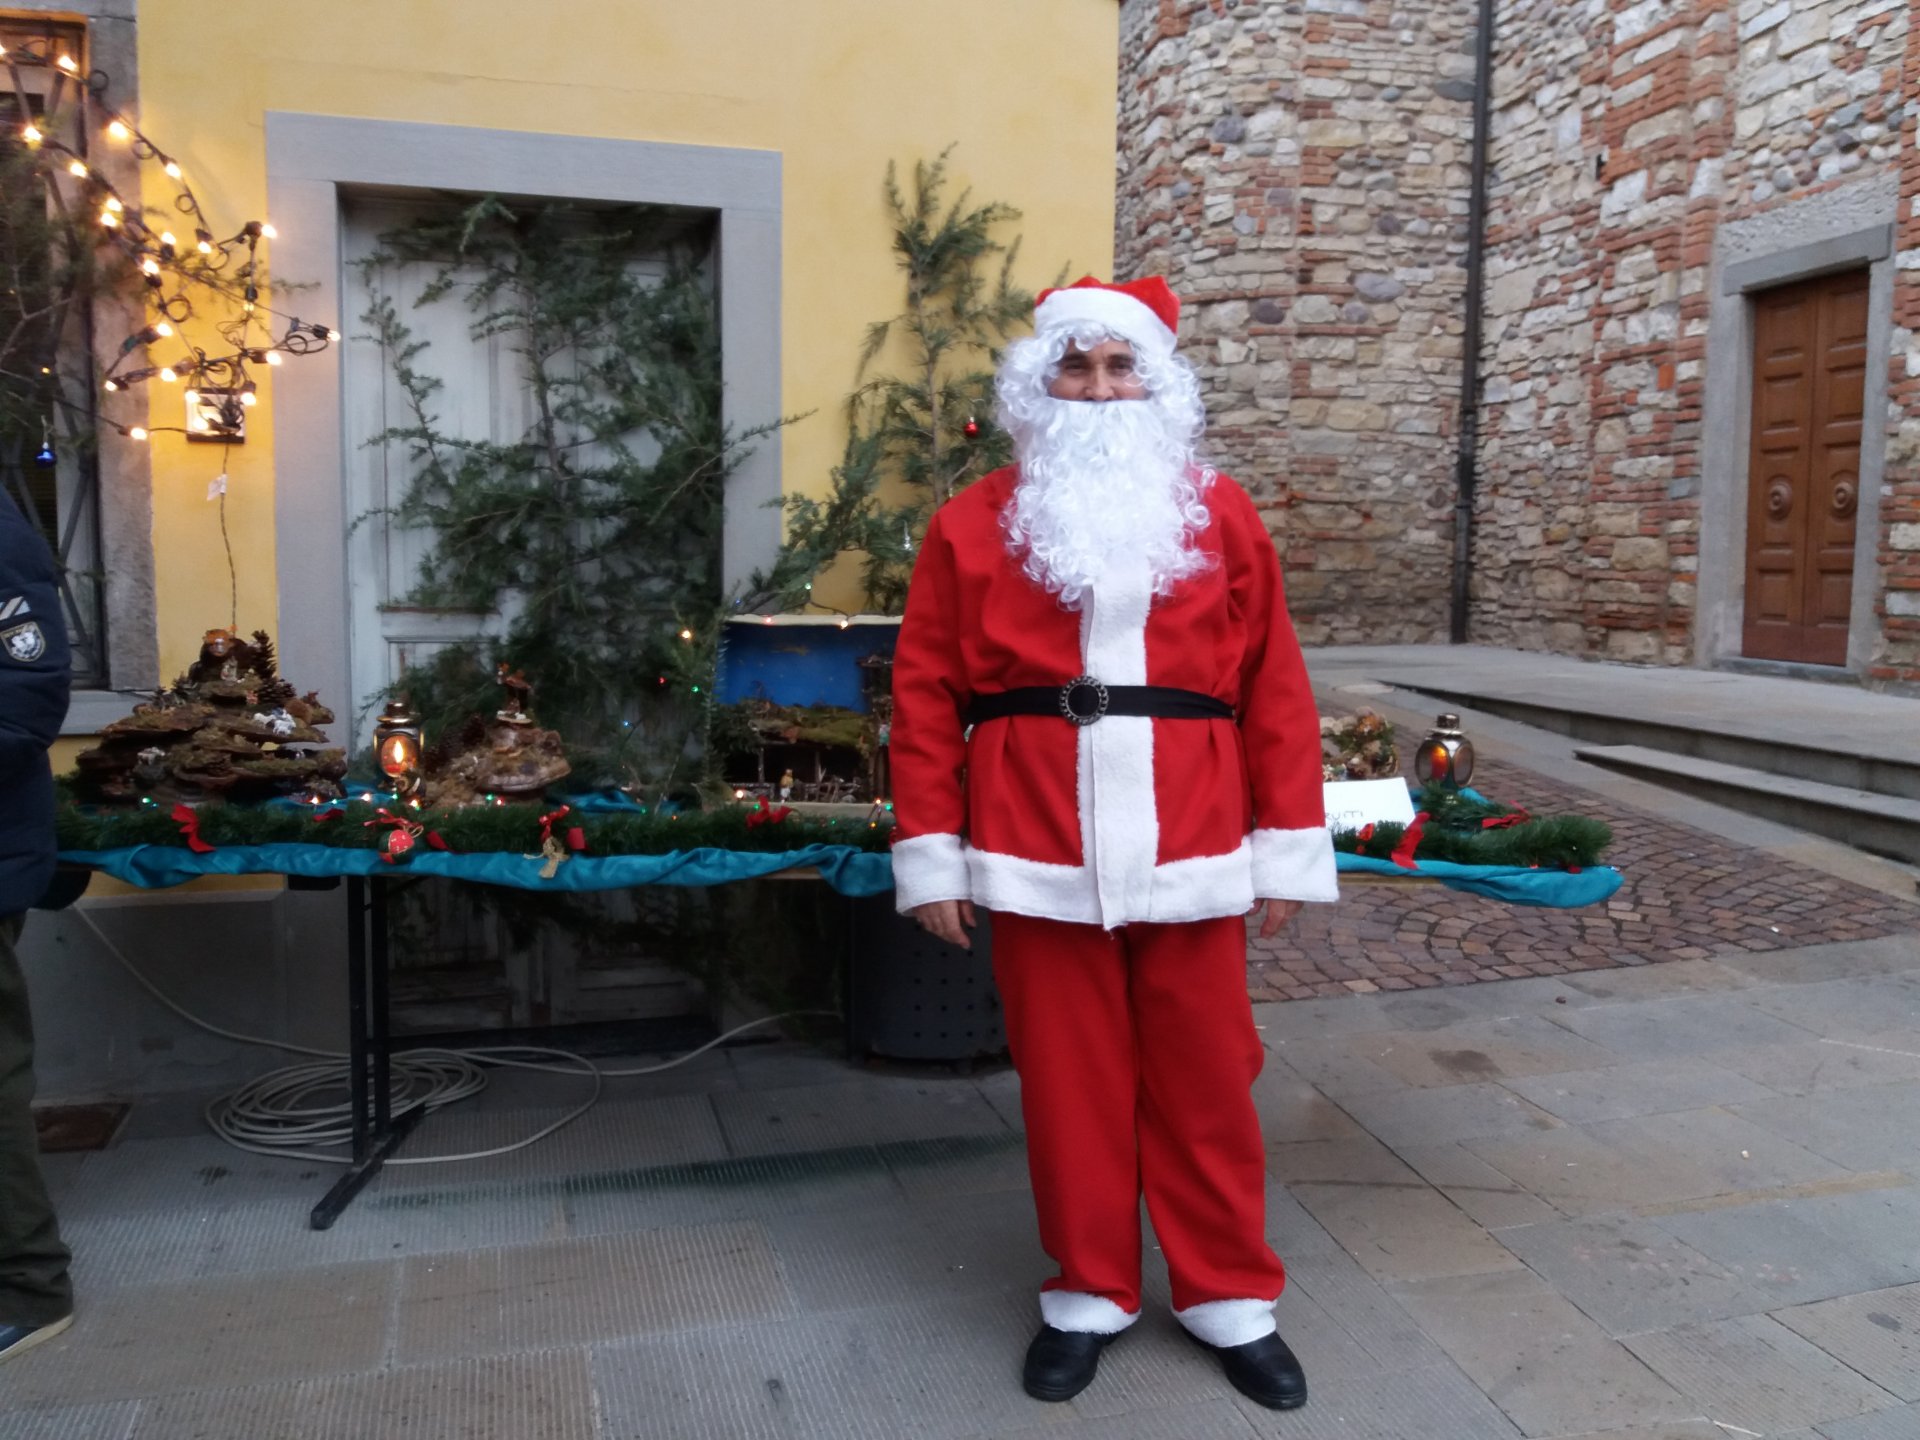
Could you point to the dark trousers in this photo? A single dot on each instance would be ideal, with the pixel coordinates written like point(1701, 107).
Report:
point(34, 1288)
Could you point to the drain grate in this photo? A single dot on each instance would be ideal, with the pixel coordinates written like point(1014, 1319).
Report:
point(64, 1128)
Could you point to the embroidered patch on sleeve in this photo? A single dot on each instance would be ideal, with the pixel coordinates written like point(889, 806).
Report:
point(23, 644)
point(16, 606)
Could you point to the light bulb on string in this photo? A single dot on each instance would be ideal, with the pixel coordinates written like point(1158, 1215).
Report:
point(249, 393)
point(167, 242)
point(77, 167)
point(268, 231)
point(118, 129)
point(137, 432)
point(113, 204)
point(173, 169)
point(32, 135)
point(65, 62)
point(162, 329)
point(149, 266)
point(203, 241)
point(167, 374)
point(274, 357)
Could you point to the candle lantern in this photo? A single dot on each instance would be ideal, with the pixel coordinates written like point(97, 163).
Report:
point(1445, 757)
point(397, 744)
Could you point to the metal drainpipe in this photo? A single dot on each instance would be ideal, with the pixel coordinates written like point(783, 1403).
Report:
point(1466, 465)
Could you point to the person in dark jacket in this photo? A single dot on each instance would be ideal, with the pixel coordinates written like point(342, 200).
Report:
point(36, 1296)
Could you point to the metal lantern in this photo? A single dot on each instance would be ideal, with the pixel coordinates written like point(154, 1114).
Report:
point(397, 744)
point(1445, 756)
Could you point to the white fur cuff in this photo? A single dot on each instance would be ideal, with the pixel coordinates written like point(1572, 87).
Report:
point(1086, 1314)
point(1229, 1322)
point(1294, 865)
point(929, 868)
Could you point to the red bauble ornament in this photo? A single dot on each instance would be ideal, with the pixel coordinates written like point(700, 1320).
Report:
point(399, 842)
point(971, 429)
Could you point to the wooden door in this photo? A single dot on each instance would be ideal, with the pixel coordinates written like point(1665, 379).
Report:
point(1803, 473)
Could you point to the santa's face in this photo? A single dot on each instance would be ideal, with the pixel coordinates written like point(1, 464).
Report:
point(1101, 484)
point(1103, 372)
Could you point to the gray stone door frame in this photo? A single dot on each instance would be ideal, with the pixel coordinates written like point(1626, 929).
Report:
point(1847, 229)
point(312, 158)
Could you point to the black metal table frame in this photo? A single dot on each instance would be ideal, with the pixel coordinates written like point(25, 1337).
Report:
point(377, 1131)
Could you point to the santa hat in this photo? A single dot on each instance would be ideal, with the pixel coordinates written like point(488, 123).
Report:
point(1143, 312)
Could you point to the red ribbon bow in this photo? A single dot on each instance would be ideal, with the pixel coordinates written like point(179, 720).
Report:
point(765, 815)
point(1366, 833)
point(188, 819)
point(576, 837)
point(1410, 842)
point(1504, 822)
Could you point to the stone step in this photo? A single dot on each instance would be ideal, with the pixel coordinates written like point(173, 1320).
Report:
point(1881, 824)
point(1820, 751)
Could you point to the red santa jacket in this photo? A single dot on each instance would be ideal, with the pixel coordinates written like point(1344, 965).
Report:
point(1126, 819)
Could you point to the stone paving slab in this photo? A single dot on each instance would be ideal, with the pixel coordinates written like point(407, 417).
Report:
point(932, 1248)
point(1798, 1251)
point(1365, 1310)
point(1580, 1172)
point(68, 1422)
point(1892, 954)
point(1438, 1403)
point(609, 1200)
point(902, 1372)
point(1900, 1424)
point(1400, 1232)
point(1857, 1128)
point(490, 1302)
point(1489, 1197)
point(1816, 1066)
point(226, 1333)
point(819, 1117)
point(1650, 1087)
point(1757, 1374)
point(1737, 1153)
point(1546, 1365)
point(1182, 1422)
point(1478, 1052)
point(1334, 1066)
point(1877, 1334)
point(1456, 1112)
point(1855, 1009)
point(538, 1396)
point(1679, 1028)
point(1629, 1275)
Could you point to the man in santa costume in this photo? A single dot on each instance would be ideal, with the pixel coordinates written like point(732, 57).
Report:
point(1104, 735)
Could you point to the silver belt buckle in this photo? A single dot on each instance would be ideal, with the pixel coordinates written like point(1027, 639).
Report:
point(1083, 700)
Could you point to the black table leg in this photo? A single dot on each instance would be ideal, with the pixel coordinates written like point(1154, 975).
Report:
point(376, 1134)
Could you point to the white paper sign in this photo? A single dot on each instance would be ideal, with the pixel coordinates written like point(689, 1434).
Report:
point(1353, 804)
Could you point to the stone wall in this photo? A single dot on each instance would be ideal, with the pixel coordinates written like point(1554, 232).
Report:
point(1301, 169)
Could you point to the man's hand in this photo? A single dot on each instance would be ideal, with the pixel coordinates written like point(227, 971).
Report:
point(948, 919)
point(1280, 914)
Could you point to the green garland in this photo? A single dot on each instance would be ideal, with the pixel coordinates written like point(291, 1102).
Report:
point(1455, 832)
point(475, 829)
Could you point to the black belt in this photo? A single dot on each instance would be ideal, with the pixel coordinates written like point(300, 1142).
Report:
point(1086, 700)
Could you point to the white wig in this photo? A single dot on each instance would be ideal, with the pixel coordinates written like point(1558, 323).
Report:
point(1046, 525)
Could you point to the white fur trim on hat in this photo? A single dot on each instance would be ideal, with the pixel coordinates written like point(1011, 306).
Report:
point(1082, 1313)
point(1225, 1323)
point(1115, 310)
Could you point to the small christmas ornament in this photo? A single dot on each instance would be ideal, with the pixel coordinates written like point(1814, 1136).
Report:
point(971, 429)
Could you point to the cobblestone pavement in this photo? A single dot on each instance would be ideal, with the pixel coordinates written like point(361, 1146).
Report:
point(1688, 895)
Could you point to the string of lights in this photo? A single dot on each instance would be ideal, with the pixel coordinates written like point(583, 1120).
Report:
point(219, 387)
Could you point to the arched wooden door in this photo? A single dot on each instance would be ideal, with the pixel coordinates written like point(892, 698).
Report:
point(1803, 474)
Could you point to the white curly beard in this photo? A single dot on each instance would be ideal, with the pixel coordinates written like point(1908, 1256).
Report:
point(1100, 480)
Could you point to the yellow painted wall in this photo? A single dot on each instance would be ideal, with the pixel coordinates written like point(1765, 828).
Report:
point(839, 87)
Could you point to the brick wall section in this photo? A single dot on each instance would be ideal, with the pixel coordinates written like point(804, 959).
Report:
point(1897, 657)
point(1300, 168)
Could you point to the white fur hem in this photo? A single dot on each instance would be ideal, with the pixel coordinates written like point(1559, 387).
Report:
point(929, 868)
point(1294, 865)
point(1223, 1323)
point(1086, 1314)
point(1205, 888)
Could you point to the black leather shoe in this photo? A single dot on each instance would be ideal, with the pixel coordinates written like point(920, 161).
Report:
point(1061, 1363)
point(1263, 1370)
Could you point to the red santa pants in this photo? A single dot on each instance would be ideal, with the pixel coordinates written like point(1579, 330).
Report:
point(1137, 1056)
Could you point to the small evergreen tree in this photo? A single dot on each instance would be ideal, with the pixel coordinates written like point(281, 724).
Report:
point(918, 437)
point(597, 531)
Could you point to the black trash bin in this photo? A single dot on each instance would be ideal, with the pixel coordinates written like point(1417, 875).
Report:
point(912, 997)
